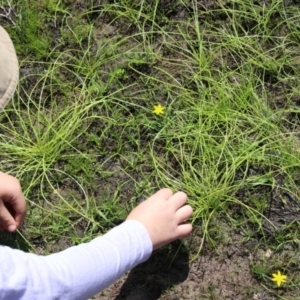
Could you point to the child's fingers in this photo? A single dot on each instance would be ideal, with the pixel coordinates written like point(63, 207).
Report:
point(163, 193)
point(178, 199)
point(19, 207)
point(184, 230)
point(184, 213)
point(6, 219)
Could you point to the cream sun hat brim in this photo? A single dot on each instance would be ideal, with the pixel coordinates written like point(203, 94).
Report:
point(9, 69)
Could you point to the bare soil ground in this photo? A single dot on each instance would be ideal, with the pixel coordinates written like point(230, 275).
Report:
point(221, 273)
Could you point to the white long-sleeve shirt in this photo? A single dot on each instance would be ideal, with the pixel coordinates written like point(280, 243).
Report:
point(76, 273)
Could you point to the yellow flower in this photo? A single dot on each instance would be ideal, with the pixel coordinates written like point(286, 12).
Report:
point(279, 278)
point(158, 109)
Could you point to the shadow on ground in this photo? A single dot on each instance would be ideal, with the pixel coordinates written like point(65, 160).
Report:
point(13, 240)
point(165, 268)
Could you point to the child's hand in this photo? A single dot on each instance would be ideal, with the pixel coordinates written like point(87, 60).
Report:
point(164, 216)
point(12, 203)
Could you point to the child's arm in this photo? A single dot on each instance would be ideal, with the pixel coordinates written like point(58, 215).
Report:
point(78, 272)
point(84, 270)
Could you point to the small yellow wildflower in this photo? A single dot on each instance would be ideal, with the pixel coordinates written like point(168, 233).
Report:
point(158, 109)
point(279, 278)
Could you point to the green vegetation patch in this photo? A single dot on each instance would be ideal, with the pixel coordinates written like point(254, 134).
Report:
point(119, 99)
